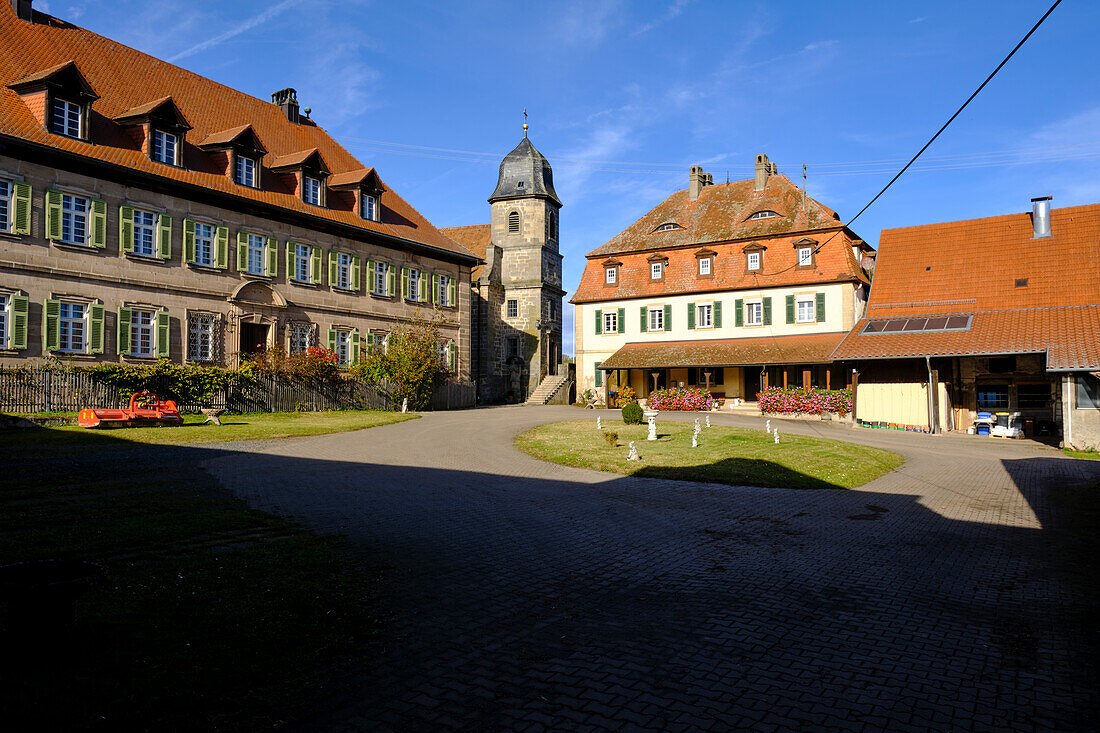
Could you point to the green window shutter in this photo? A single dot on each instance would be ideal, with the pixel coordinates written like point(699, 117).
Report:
point(422, 288)
point(353, 352)
point(332, 339)
point(95, 328)
point(125, 316)
point(452, 361)
point(20, 310)
point(221, 248)
point(668, 317)
point(51, 324)
point(620, 323)
point(717, 314)
point(21, 208)
point(599, 321)
point(53, 215)
point(356, 273)
point(790, 309)
point(126, 229)
point(820, 307)
point(272, 256)
point(767, 311)
point(391, 276)
point(452, 293)
point(189, 241)
point(599, 374)
point(332, 268)
point(404, 282)
point(162, 334)
point(435, 289)
point(369, 271)
point(739, 313)
point(164, 237)
point(242, 251)
point(99, 223)
point(691, 316)
point(291, 251)
point(315, 266)
point(644, 319)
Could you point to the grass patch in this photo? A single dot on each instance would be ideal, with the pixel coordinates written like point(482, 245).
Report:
point(725, 455)
point(1092, 454)
point(209, 615)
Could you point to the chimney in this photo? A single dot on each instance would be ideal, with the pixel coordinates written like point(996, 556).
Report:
point(287, 99)
point(22, 9)
point(697, 179)
point(764, 168)
point(1040, 216)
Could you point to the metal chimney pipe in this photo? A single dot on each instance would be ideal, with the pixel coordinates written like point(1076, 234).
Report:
point(1040, 217)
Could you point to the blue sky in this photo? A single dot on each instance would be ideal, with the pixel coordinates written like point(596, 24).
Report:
point(624, 96)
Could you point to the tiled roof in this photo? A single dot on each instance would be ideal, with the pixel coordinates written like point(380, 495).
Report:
point(349, 178)
point(805, 349)
point(125, 78)
point(721, 214)
point(973, 267)
point(1068, 335)
point(224, 137)
point(475, 237)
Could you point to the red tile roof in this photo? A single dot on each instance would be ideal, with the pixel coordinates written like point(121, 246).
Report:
point(125, 78)
point(475, 237)
point(804, 349)
point(972, 267)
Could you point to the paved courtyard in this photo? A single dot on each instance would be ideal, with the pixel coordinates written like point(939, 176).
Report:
point(529, 596)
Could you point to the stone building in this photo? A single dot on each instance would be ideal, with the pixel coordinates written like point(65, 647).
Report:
point(517, 293)
point(148, 212)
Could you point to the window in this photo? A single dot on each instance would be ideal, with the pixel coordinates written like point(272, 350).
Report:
point(145, 223)
point(414, 284)
point(513, 309)
point(5, 319)
point(657, 318)
point(513, 222)
point(68, 118)
point(368, 207)
point(806, 312)
point(752, 260)
point(445, 290)
point(805, 256)
point(74, 219)
point(763, 215)
point(656, 270)
point(993, 397)
point(704, 265)
point(611, 274)
point(72, 328)
point(704, 315)
point(246, 171)
point(311, 190)
point(549, 309)
point(513, 346)
point(301, 337)
point(939, 323)
point(381, 276)
point(143, 332)
point(257, 250)
point(204, 244)
point(1088, 392)
point(668, 227)
point(1031, 396)
point(201, 336)
point(5, 205)
point(551, 224)
point(610, 321)
point(343, 270)
point(164, 147)
point(754, 313)
point(343, 348)
point(300, 259)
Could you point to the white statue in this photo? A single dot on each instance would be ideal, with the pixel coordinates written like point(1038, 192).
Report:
point(767, 426)
point(599, 424)
point(697, 423)
point(652, 429)
point(633, 454)
point(695, 440)
point(776, 434)
point(405, 405)
point(708, 421)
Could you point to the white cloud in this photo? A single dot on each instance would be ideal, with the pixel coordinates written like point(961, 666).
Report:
point(236, 30)
point(919, 20)
point(672, 11)
point(586, 22)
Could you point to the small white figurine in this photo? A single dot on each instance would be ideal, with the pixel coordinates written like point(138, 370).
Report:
point(767, 426)
point(708, 421)
point(652, 429)
point(633, 454)
point(405, 405)
point(695, 440)
point(599, 424)
point(776, 434)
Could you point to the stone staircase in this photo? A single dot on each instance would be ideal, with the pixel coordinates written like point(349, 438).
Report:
point(547, 389)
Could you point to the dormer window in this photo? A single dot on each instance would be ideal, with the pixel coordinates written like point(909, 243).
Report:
point(656, 270)
point(236, 153)
point(311, 190)
point(245, 171)
point(611, 275)
point(368, 207)
point(704, 265)
point(67, 118)
point(752, 261)
point(59, 98)
point(158, 127)
point(668, 227)
point(766, 214)
point(805, 256)
point(165, 147)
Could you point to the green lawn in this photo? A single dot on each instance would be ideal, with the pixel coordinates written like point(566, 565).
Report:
point(209, 615)
point(1094, 455)
point(725, 455)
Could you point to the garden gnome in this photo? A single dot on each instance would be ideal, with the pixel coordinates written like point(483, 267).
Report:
point(599, 424)
point(776, 434)
point(633, 454)
point(652, 429)
point(708, 421)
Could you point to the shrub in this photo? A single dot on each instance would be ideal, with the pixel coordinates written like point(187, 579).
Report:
point(804, 400)
point(626, 395)
point(680, 398)
point(186, 384)
point(632, 414)
point(612, 439)
point(410, 362)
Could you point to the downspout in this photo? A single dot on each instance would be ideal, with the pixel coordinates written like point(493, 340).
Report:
point(932, 426)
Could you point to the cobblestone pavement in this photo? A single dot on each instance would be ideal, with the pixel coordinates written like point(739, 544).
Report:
point(529, 596)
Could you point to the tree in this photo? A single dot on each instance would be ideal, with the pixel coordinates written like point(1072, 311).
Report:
point(410, 362)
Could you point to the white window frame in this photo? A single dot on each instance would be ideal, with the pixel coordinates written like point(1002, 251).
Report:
point(5, 319)
point(7, 193)
point(143, 322)
point(301, 335)
point(71, 215)
point(245, 171)
point(656, 318)
point(205, 243)
point(611, 320)
point(67, 324)
point(145, 233)
point(166, 146)
point(343, 270)
point(811, 309)
point(257, 254)
point(368, 207)
point(752, 260)
point(704, 265)
point(311, 190)
point(444, 291)
point(805, 256)
point(343, 346)
point(656, 270)
point(303, 260)
point(704, 315)
point(512, 308)
point(381, 276)
point(414, 283)
point(611, 274)
point(67, 111)
point(754, 308)
point(202, 334)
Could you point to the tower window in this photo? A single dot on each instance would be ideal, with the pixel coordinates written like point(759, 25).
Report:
point(513, 221)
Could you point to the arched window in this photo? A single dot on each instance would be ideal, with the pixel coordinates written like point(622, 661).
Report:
point(551, 224)
point(766, 214)
point(668, 226)
point(513, 221)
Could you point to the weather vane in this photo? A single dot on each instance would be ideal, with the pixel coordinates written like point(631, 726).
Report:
point(525, 122)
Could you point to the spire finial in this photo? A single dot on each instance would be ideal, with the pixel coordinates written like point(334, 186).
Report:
point(525, 122)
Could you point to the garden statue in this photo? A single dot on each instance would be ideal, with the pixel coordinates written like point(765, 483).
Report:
point(708, 421)
point(599, 424)
point(405, 405)
point(652, 429)
point(776, 434)
point(696, 423)
point(633, 454)
point(767, 426)
point(694, 439)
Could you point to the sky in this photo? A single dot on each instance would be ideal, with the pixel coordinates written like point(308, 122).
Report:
point(623, 97)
